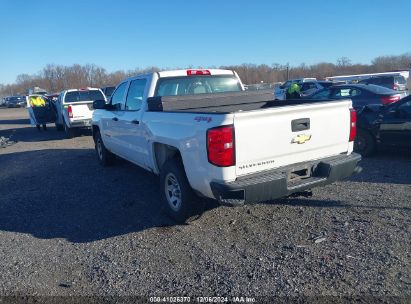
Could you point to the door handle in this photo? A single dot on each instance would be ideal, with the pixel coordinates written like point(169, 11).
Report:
point(115, 118)
point(136, 122)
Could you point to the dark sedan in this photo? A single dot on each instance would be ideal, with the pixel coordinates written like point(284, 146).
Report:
point(360, 94)
point(388, 125)
point(16, 101)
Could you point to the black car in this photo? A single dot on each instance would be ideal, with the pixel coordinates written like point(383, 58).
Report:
point(360, 94)
point(108, 91)
point(388, 125)
point(15, 101)
point(394, 82)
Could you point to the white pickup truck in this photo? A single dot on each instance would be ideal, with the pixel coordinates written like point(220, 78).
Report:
point(206, 137)
point(74, 109)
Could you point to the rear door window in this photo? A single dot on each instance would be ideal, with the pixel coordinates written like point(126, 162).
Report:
point(400, 80)
point(346, 93)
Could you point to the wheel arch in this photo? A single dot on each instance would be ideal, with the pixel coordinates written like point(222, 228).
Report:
point(94, 130)
point(163, 152)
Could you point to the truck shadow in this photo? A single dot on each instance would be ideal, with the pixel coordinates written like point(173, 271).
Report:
point(24, 121)
point(67, 194)
point(31, 134)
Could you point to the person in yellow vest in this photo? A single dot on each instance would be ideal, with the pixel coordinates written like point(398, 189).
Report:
point(293, 91)
point(35, 102)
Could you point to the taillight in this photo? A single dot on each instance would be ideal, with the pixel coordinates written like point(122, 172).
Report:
point(70, 111)
point(221, 146)
point(390, 99)
point(198, 72)
point(353, 124)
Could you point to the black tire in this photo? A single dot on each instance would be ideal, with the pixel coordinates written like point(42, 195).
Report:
point(364, 143)
point(70, 132)
point(59, 127)
point(180, 201)
point(104, 156)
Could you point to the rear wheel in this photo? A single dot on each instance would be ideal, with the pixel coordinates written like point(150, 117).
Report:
point(70, 132)
point(105, 157)
point(59, 127)
point(364, 143)
point(180, 201)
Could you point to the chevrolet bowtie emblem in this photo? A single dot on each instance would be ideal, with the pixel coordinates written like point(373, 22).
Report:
point(301, 139)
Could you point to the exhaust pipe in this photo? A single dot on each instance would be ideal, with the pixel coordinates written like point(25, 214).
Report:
point(357, 170)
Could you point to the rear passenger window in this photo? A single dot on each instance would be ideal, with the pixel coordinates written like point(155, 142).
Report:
point(400, 80)
point(135, 94)
point(117, 99)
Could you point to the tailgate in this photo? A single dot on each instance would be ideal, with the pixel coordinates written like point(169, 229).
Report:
point(81, 110)
point(276, 137)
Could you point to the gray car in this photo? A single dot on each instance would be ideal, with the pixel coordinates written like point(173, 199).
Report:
point(393, 82)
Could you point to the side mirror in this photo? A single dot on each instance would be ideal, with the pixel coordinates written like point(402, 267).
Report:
point(99, 104)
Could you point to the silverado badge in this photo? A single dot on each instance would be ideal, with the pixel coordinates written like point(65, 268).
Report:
point(301, 139)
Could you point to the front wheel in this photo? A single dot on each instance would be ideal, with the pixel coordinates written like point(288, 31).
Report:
point(364, 143)
point(105, 157)
point(181, 203)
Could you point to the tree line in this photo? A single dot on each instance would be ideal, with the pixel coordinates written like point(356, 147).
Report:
point(55, 78)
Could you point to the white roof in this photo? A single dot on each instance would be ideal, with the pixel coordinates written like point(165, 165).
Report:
point(82, 89)
point(177, 73)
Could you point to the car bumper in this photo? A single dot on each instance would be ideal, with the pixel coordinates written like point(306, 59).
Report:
point(86, 123)
point(278, 183)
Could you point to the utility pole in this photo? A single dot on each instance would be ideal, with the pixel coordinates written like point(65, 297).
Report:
point(288, 71)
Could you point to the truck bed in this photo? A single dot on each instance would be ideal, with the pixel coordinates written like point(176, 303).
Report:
point(222, 103)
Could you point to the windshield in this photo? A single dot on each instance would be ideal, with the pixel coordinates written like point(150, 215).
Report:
point(190, 85)
point(76, 96)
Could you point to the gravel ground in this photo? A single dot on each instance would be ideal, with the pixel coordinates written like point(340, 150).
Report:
point(88, 230)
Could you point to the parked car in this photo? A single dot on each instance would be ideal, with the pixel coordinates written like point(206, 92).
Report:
point(53, 97)
point(279, 92)
point(204, 135)
point(310, 87)
point(388, 125)
point(394, 82)
point(15, 101)
point(360, 94)
point(108, 91)
point(74, 109)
